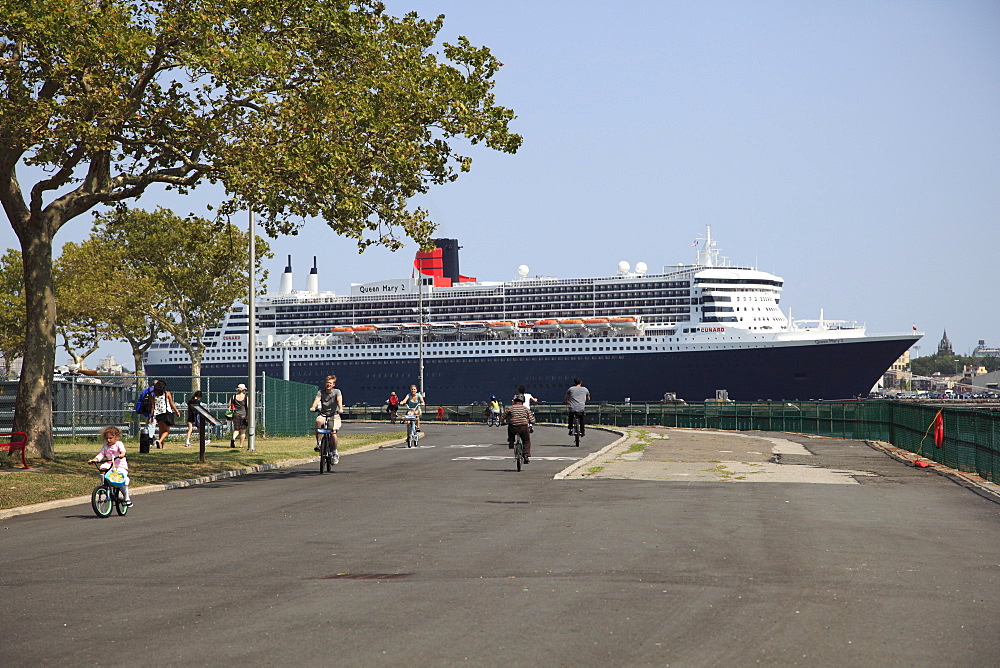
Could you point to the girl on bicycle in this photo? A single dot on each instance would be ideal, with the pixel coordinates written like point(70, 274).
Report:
point(114, 451)
point(413, 402)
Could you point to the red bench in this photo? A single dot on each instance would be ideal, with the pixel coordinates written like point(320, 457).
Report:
point(13, 441)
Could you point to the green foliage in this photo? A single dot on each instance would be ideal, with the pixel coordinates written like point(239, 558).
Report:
point(305, 108)
point(183, 274)
point(943, 364)
point(12, 325)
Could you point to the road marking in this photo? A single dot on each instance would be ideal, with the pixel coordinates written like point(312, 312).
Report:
point(475, 445)
point(498, 458)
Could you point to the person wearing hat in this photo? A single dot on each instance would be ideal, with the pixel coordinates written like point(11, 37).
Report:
point(519, 419)
point(238, 406)
point(392, 406)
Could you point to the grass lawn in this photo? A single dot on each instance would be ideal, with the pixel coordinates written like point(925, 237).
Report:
point(71, 476)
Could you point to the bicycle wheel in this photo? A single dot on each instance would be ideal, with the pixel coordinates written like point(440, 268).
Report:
point(411, 435)
point(576, 435)
point(519, 453)
point(100, 499)
point(119, 498)
point(324, 446)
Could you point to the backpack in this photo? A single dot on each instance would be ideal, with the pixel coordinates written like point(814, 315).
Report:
point(145, 404)
point(393, 401)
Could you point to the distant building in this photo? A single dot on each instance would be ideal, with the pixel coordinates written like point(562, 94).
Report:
point(944, 347)
point(109, 365)
point(898, 376)
point(982, 350)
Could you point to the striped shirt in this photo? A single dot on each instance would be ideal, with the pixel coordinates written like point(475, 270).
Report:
point(518, 415)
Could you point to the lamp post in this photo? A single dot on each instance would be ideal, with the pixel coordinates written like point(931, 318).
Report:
point(252, 345)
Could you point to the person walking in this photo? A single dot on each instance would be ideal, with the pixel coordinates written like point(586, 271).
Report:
point(164, 410)
point(576, 401)
point(519, 419)
point(392, 406)
point(238, 406)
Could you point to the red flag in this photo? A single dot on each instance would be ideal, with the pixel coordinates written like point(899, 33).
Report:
point(939, 430)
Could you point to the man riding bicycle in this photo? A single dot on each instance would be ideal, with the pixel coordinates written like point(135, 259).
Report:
point(576, 401)
point(329, 403)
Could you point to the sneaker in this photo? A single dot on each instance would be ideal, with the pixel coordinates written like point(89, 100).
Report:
point(316, 449)
point(510, 445)
point(188, 444)
point(208, 442)
point(527, 461)
point(128, 502)
point(336, 457)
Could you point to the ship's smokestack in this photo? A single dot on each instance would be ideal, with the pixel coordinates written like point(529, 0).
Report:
point(449, 258)
point(285, 287)
point(312, 280)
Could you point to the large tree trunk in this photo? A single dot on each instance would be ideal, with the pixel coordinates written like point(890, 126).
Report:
point(33, 410)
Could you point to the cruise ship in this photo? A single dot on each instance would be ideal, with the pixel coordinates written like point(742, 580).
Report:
point(692, 332)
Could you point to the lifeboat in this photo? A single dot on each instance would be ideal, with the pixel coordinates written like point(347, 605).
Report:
point(342, 331)
point(502, 326)
point(444, 327)
point(472, 327)
point(627, 324)
point(385, 331)
point(364, 331)
point(597, 324)
point(571, 324)
point(414, 329)
point(525, 325)
point(546, 325)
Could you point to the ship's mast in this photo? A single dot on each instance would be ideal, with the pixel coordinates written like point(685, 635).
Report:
point(708, 256)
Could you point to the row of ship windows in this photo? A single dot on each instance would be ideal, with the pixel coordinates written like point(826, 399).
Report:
point(466, 312)
point(453, 353)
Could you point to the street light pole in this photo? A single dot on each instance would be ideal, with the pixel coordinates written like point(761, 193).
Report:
point(252, 345)
point(420, 324)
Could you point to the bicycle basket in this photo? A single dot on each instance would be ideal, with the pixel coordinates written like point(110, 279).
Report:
point(116, 478)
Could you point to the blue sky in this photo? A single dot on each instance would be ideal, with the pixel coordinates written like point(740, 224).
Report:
point(852, 148)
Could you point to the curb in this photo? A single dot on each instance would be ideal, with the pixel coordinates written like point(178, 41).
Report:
point(970, 481)
point(190, 482)
point(572, 468)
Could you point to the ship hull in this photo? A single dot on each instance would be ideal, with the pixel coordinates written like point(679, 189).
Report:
point(789, 371)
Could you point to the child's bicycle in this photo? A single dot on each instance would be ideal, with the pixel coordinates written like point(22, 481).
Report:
point(492, 418)
point(109, 493)
point(411, 430)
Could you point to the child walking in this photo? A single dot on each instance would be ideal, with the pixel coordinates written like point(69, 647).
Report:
point(113, 450)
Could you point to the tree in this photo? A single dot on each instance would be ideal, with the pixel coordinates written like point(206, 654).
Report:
point(12, 321)
point(96, 291)
point(187, 274)
point(300, 108)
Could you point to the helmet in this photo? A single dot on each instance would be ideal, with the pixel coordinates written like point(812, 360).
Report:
point(493, 396)
point(518, 397)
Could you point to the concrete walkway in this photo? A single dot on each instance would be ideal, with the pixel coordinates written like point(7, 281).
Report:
point(689, 455)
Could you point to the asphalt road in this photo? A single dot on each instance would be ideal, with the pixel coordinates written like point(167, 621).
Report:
point(446, 555)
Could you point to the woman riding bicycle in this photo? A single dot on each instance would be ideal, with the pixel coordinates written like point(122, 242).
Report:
point(329, 403)
point(413, 403)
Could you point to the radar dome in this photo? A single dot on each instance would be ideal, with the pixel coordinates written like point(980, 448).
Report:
point(623, 267)
point(522, 270)
point(641, 268)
